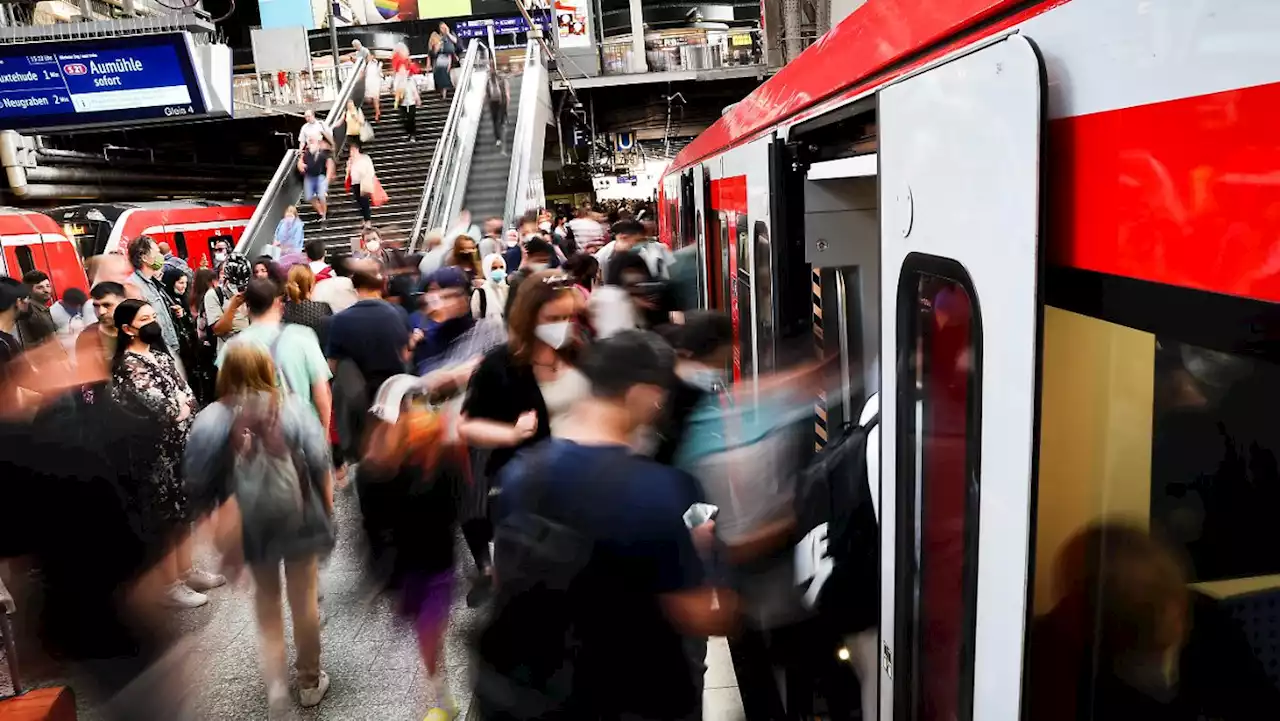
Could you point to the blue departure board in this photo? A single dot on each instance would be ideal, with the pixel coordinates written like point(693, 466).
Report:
point(105, 81)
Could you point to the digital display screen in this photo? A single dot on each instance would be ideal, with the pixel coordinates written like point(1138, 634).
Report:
point(98, 82)
point(501, 26)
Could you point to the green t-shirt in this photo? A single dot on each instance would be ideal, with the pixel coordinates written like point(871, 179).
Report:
point(298, 356)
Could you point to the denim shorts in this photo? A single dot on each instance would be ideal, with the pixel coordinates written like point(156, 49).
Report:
point(315, 187)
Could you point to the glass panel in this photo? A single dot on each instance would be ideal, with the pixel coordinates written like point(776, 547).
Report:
point(939, 482)
point(1157, 575)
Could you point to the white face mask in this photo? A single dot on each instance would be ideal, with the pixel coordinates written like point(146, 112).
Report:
point(219, 257)
point(555, 335)
point(372, 246)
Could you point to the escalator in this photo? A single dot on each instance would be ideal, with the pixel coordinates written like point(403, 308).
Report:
point(470, 171)
point(486, 195)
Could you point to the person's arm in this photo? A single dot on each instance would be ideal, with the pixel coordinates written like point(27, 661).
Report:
point(318, 369)
point(330, 169)
point(484, 433)
point(227, 322)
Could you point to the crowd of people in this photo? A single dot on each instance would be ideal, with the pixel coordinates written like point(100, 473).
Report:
point(534, 389)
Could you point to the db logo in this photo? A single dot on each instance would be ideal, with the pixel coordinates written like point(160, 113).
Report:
point(75, 68)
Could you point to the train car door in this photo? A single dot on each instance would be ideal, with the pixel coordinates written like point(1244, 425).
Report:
point(959, 160)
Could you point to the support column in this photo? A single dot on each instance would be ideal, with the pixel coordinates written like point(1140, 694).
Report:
point(639, 64)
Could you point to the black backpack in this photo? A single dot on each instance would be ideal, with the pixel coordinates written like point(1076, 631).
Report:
point(526, 660)
point(838, 554)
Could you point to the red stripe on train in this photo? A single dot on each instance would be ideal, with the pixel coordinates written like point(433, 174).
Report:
point(1184, 192)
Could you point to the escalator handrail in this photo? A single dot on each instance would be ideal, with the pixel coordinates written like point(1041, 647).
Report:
point(336, 116)
point(444, 146)
point(514, 205)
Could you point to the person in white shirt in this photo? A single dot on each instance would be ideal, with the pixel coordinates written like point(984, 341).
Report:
point(312, 133)
point(587, 231)
point(363, 178)
point(331, 287)
point(630, 235)
point(68, 315)
point(409, 101)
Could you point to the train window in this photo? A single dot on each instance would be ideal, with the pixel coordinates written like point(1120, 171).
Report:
point(939, 332)
point(762, 277)
point(180, 244)
point(1156, 575)
point(26, 260)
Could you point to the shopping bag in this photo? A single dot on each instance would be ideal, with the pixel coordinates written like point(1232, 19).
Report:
point(379, 196)
point(366, 133)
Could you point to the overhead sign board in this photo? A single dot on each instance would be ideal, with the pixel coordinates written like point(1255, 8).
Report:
point(501, 26)
point(102, 82)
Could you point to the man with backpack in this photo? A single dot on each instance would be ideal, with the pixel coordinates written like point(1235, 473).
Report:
point(302, 369)
point(224, 311)
point(597, 572)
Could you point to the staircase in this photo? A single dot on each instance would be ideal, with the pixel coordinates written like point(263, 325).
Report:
point(402, 166)
point(490, 165)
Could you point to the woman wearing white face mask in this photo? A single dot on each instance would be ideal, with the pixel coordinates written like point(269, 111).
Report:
point(489, 300)
point(522, 391)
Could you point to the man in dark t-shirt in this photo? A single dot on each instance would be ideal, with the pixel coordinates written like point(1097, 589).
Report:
point(318, 170)
point(640, 584)
point(373, 333)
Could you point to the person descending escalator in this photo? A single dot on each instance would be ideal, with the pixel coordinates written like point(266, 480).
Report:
point(498, 92)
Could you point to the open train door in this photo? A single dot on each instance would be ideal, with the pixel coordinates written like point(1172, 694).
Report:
point(960, 155)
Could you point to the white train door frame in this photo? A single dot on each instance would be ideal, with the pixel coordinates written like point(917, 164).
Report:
point(960, 147)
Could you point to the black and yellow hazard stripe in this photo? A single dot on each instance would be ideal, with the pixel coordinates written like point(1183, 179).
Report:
point(819, 347)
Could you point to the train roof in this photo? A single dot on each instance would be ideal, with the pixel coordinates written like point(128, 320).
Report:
point(112, 211)
point(879, 40)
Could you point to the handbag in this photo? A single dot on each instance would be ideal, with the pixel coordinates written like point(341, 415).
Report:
point(366, 133)
point(379, 195)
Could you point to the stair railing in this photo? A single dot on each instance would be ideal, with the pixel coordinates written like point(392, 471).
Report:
point(525, 189)
point(446, 182)
point(286, 184)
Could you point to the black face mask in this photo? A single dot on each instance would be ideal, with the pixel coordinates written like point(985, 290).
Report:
point(151, 334)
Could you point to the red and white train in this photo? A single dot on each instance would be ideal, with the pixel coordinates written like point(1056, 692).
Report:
point(1048, 233)
point(58, 240)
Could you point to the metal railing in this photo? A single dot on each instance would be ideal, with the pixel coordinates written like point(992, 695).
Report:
point(286, 184)
point(263, 92)
point(692, 51)
point(446, 181)
point(524, 183)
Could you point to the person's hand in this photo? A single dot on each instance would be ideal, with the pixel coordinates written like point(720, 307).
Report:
point(526, 426)
point(416, 337)
point(177, 310)
point(704, 537)
point(237, 300)
point(477, 283)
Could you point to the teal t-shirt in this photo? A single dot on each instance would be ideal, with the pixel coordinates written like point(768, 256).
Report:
point(298, 356)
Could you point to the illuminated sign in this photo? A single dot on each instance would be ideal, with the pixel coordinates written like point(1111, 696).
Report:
point(501, 26)
point(106, 81)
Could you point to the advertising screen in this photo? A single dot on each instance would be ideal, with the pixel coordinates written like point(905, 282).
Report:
point(106, 81)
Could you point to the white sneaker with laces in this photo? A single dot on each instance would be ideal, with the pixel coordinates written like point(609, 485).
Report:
point(308, 697)
point(198, 580)
point(180, 595)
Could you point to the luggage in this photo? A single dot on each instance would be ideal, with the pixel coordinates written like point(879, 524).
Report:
point(46, 704)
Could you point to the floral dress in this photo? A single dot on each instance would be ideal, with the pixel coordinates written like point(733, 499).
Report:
point(150, 385)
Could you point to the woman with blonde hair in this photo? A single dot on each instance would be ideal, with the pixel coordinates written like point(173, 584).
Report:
point(249, 448)
point(300, 309)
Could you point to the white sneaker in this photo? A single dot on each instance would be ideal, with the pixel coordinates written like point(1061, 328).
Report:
point(308, 697)
point(180, 595)
point(198, 580)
